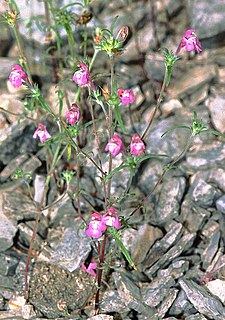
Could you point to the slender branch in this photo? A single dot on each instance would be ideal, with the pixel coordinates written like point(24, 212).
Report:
point(188, 144)
point(54, 161)
point(157, 106)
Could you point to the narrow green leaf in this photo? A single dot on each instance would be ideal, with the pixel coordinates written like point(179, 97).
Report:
point(125, 253)
point(115, 171)
point(149, 156)
point(214, 132)
point(119, 119)
point(113, 23)
point(177, 127)
point(168, 75)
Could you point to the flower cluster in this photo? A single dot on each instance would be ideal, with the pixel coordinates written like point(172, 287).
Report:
point(190, 42)
point(18, 76)
point(41, 133)
point(73, 114)
point(90, 269)
point(98, 223)
point(126, 96)
point(116, 146)
point(82, 77)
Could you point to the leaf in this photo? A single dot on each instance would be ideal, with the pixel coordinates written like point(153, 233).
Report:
point(168, 75)
point(125, 252)
point(115, 171)
point(177, 127)
point(119, 119)
point(68, 152)
point(113, 24)
point(149, 156)
point(213, 132)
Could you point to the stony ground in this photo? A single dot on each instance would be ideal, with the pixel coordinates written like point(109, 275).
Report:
point(177, 239)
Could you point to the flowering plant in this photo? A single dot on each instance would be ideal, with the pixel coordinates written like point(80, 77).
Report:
point(91, 102)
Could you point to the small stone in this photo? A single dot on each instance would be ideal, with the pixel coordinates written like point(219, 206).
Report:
point(216, 108)
point(72, 250)
point(130, 294)
point(192, 80)
point(220, 204)
point(146, 236)
point(161, 246)
point(171, 106)
point(205, 157)
point(217, 287)
point(101, 317)
point(202, 300)
point(8, 265)
point(203, 194)
point(8, 230)
point(206, 18)
point(168, 206)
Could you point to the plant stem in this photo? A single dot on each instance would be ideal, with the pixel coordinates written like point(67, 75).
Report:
point(157, 105)
point(96, 139)
point(99, 274)
point(49, 35)
point(110, 124)
point(37, 220)
point(187, 146)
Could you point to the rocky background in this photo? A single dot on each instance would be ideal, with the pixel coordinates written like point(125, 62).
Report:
point(177, 240)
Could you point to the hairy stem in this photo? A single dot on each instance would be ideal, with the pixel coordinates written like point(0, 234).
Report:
point(157, 106)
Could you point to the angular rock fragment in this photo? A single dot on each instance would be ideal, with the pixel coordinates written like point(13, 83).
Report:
point(202, 300)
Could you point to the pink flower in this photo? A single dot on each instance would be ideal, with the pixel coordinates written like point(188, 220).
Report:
point(115, 145)
point(126, 96)
point(41, 133)
point(17, 76)
point(82, 77)
point(73, 114)
point(190, 42)
point(137, 146)
point(96, 226)
point(90, 268)
point(111, 219)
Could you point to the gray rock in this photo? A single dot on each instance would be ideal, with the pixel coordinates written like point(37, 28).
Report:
point(161, 246)
point(211, 249)
point(16, 140)
point(155, 292)
point(145, 238)
point(130, 294)
point(168, 206)
point(206, 18)
point(216, 108)
point(196, 316)
point(220, 204)
point(8, 229)
point(202, 300)
point(184, 243)
point(8, 265)
point(72, 250)
point(167, 302)
point(7, 283)
point(181, 305)
point(111, 302)
point(217, 287)
point(191, 80)
point(101, 317)
point(203, 193)
point(191, 212)
point(205, 157)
